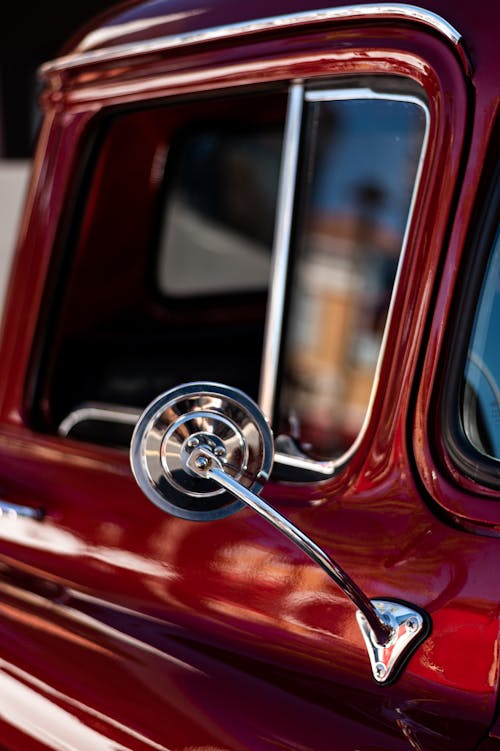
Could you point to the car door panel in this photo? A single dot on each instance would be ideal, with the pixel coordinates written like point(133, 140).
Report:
point(294, 622)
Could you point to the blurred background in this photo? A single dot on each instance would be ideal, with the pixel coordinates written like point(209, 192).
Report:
point(30, 34)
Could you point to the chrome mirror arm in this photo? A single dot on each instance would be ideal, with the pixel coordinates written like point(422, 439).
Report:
point(203, 450)
point(203, 462)
point(390, 630)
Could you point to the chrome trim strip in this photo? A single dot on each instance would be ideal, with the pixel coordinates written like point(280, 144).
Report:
point(99, 412)
point(281, 248)
point(402, 11)
point(14, 510)
point(327, 468)
point(363, 92)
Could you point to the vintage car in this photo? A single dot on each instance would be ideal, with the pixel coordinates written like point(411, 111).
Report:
point(260, 246)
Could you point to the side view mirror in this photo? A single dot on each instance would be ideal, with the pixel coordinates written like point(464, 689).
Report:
point(203, 450)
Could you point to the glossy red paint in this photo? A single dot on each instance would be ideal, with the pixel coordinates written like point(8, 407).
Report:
point(125, 628)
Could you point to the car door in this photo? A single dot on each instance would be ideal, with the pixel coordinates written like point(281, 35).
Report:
point(272, 214)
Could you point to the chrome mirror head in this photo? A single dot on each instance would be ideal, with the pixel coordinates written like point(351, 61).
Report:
point(195, 415)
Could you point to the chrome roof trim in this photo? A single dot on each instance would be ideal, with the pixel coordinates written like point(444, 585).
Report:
point(402, 11)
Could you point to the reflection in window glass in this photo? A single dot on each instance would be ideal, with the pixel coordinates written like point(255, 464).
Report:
point(481, 391)
point(187, 211)
point(358, 176)
point(219, 220)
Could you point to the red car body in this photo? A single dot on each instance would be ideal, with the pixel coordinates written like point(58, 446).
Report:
point(125, 628)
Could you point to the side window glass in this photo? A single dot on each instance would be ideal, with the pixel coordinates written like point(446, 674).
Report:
point(360, 167)
point(168, 263)
point(480, 402)
point(219, 217)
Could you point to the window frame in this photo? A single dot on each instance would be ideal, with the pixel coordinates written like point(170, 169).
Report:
point(290, 463)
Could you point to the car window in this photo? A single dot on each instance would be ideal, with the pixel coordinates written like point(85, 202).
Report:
point(360, 167)
point(480, 402)
point(166, 269)
point(217, 232)
point(171, 259)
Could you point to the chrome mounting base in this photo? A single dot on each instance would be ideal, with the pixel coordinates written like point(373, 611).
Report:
point(408, 629)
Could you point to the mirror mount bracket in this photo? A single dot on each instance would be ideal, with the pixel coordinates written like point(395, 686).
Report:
point(409, 628)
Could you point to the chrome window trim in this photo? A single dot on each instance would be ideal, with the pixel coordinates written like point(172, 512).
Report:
point(271, 356)
point(395, 11)
point(99, 412)
point(304, 463)
point(281, 249)
point(364, 92)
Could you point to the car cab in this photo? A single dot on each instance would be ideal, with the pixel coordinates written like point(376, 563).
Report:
point(260, 248)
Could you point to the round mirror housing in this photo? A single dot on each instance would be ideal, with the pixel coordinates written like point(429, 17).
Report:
point(222, 419)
